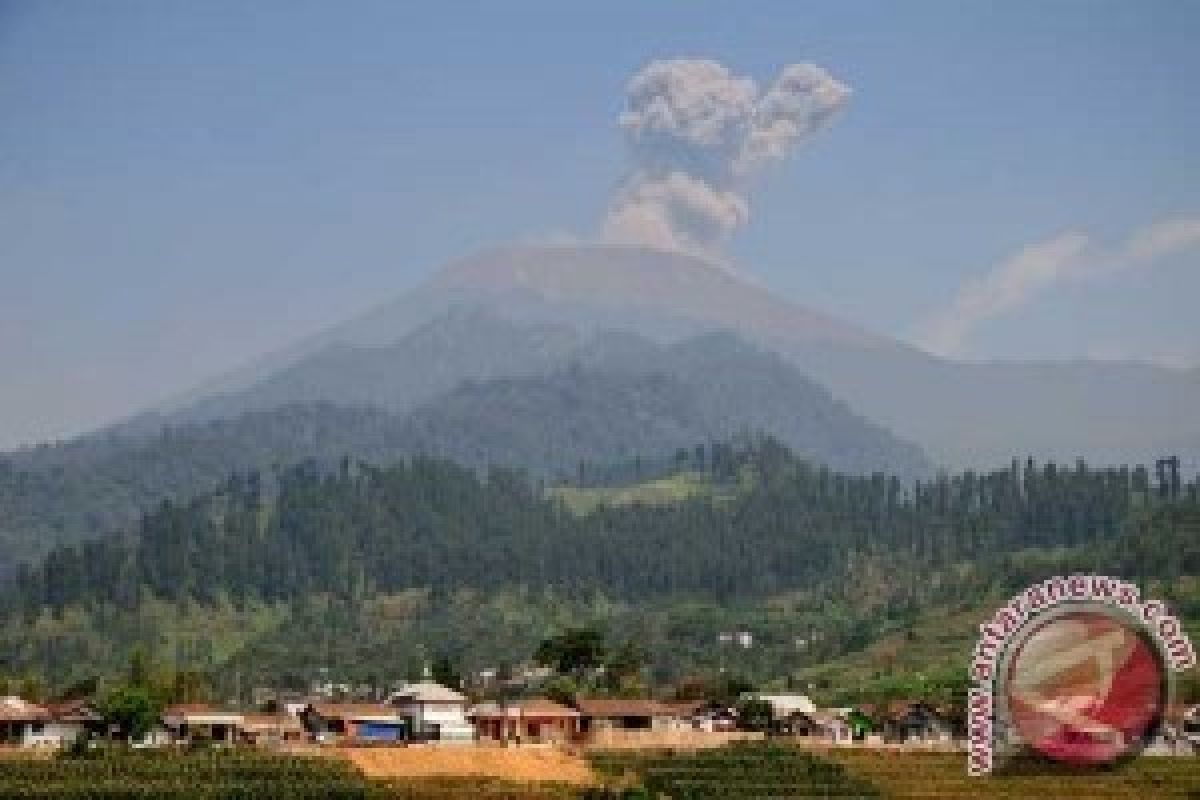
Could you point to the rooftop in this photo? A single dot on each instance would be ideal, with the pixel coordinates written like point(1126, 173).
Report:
point(14, 709)
point(428, 692)
point(622, 707)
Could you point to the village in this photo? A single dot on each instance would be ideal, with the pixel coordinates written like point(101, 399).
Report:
point(429, 714)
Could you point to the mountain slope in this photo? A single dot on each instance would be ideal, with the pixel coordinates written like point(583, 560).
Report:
point(961, 413)
point(622, 397)
point(464, 342)
point(619, 408)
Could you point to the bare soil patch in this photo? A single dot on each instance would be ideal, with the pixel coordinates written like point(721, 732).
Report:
point(513, 764)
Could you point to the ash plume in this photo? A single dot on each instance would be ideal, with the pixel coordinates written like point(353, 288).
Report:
point(697, 136)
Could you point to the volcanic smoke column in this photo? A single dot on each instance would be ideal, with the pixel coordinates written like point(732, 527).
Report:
point(697, 136)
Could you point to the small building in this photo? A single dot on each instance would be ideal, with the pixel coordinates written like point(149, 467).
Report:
point(356, 722)
point(711, 718)
point(438, 713)
point(22, 724)
point(797, 723)
point(611, 713)
point(189, 722)
point(271, 729)
point(1189, 725)
point(532, 721)
point(916, 722)
point(70, 720)
point(785, 705)
point(831, 724)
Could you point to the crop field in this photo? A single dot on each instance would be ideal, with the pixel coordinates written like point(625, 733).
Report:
point(244, 775)
point(125, 775)
point(782, 771)
point(737, 771)
point(943, 775)
point(747, 770)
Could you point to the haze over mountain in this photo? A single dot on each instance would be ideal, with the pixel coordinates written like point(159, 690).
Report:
point(540, 357)
point(962, 413)
point(566, 398)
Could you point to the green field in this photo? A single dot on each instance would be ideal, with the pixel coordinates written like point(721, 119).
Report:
point(664, 491)
point(738, 771)
point(224, 775)
point(943, 775)
point(236, 775)
point(781, 770)
point(771, 770)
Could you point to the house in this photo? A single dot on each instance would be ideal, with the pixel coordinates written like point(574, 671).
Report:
point(611, 713)
point(1189, 725)
point(270, 730)
point(22, 724)
point(356, 722)
point(797, 723)
point(785, 705)
point(189, 722)
point(712, 718)
point(438, 713)
point(70, 720)
point(832, 725)
point(536, 720)
point(916, 722)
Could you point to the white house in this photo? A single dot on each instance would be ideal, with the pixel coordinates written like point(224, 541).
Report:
point(785, 705)
point(68, 721)
point(437, 712)
point(195, 720)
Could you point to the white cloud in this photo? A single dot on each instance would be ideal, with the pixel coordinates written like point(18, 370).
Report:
point(1161, 239)
point(1070, 257)
point(697, 135)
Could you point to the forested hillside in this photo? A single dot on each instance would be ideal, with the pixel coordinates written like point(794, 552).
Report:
point(361, 568)
point(617, 398)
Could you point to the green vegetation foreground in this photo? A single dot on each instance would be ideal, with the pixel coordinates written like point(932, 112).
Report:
point(737, 771)
point(344, 569)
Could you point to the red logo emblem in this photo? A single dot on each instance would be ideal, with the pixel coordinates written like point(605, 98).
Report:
point(1085, 686)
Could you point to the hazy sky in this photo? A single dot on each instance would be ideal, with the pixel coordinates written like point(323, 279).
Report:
point(186, 185)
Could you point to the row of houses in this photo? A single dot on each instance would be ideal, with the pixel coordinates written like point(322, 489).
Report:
point(422, 712)
point(428, 712)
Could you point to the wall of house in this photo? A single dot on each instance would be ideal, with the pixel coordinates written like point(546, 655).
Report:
point(52, 734)
point(449, 718)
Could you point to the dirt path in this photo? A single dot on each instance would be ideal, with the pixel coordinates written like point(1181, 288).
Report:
point(513, 764)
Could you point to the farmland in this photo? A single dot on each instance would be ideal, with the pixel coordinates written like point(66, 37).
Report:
point(242, 775)
point(125, 775)
point(738, 771)
point(906, 776)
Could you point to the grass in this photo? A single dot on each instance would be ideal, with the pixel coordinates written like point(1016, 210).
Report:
point(661, 492)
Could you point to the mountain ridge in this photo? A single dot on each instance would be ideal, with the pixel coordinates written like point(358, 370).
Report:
point(962, 413)
point(608, 404)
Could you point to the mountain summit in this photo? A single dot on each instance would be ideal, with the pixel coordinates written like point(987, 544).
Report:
point(962, 413)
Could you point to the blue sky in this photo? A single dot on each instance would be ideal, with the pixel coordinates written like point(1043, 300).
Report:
point(185, 186)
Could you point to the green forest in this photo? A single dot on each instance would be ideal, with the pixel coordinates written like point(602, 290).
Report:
point(619, 399)
point(370, 572)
